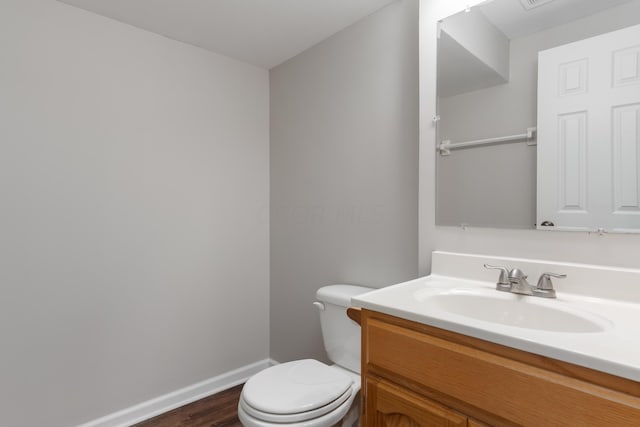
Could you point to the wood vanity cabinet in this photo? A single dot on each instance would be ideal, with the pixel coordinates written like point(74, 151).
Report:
point(418, 375)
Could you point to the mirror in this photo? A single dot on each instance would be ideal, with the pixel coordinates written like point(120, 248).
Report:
point(511, 156)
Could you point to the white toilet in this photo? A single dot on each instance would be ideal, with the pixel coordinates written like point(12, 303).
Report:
point(309, 393)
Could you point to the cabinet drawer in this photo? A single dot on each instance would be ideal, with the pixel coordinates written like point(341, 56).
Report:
point(515, 391)
point(395, 407)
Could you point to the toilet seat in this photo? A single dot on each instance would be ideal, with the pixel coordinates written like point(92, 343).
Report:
point(295, 417)
point(349, 409)
point(298, 391)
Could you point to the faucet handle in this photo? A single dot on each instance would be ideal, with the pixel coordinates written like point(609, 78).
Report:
point(503, 279)
point(544, 282)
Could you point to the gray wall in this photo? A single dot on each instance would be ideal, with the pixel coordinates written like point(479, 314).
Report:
point(473, 185)
point(134, 220)
point(344, 147)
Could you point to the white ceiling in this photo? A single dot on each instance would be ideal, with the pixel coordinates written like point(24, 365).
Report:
point(261, 32)
point(514, 21)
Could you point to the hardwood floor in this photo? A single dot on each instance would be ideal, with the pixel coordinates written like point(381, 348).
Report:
point(219, 410)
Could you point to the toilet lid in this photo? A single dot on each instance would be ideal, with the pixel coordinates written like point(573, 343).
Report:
point(294, 387)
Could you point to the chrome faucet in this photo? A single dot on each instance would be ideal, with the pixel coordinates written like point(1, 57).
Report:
point(515, 281)
point(519, 284)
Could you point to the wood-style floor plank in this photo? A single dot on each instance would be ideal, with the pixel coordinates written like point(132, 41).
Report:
point(218, 410)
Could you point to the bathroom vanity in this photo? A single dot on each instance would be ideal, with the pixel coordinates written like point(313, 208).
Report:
point(414, 374)
point(430, 357)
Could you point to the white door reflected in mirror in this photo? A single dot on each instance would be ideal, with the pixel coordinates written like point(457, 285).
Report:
point(589, 134)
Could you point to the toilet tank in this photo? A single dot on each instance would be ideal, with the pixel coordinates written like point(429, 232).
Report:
point(341, 335)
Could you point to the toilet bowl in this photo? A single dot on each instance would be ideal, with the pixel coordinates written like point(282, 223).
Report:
point(309, 393)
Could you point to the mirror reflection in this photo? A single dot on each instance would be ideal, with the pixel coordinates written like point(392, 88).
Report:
point(539, 115)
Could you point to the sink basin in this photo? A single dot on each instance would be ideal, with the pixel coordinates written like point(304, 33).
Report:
point(517, 311)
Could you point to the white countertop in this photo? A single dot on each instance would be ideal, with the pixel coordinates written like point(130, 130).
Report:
point(615, 349)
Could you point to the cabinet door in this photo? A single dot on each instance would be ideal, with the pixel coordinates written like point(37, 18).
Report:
point(476, 423)
point(391, 406)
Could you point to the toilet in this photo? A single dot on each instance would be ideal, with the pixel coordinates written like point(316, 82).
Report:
point(309, 393)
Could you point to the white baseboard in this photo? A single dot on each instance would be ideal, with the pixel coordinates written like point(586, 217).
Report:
point(175, 399)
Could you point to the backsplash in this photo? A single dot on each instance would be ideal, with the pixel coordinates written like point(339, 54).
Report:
point(616, 283)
